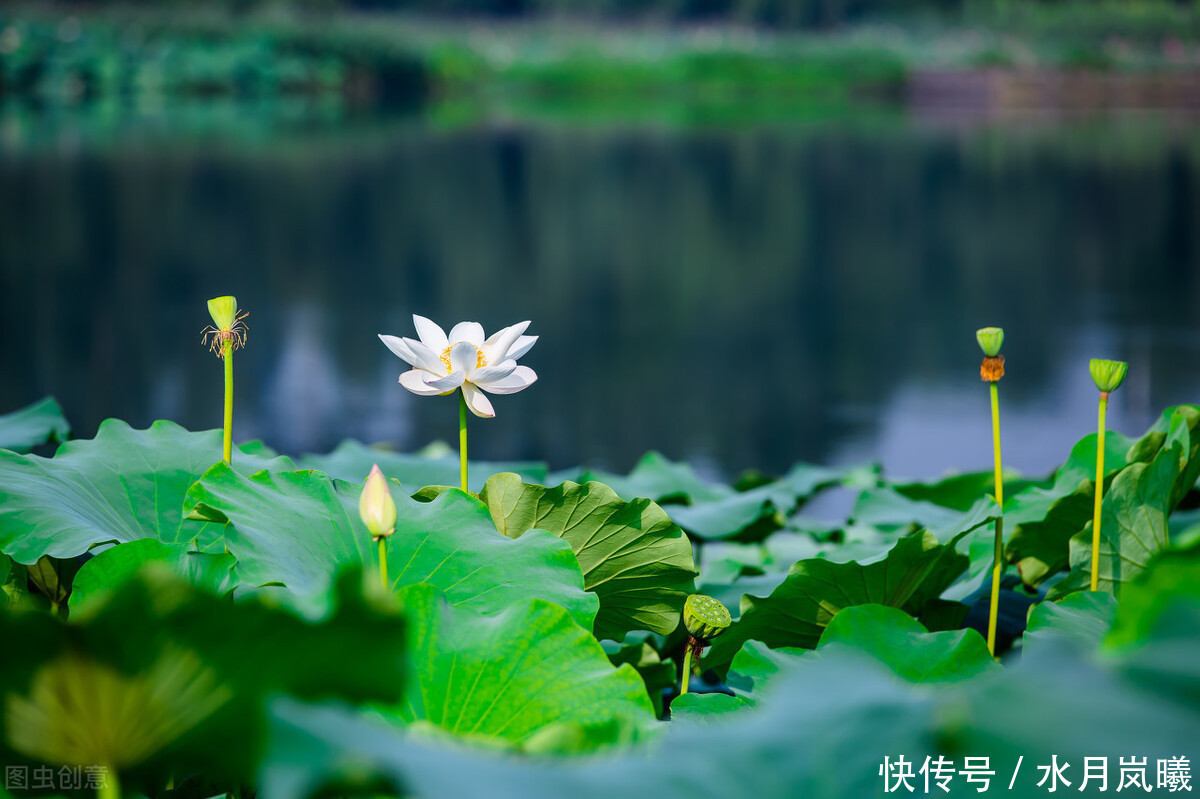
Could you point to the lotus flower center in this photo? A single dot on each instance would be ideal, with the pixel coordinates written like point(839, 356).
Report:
point(480, 361)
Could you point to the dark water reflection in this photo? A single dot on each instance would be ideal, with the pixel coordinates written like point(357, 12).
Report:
point(739, 296)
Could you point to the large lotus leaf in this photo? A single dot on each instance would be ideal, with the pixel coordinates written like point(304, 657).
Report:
point(756, 664)
point(527, 675)
point(1081, 619)
point(693, 708)
point(852, 713)
point(824, 734)
point(658, 478)
point(1169, 585)
point(916, 571)
point(40, 423)
point(1043, 520)
point(1179, 423)
point(164, 677)
point(729, 517)
point(1133, 521)
point(1041, 548)
point(633, 557)
point(859, 543)
point(886, 634)
point(740, 515)
point(886, 508)
point(961, 491)
point(855, 542)
point(713, 510)
point(724, 561)
point(1155, 629)
point(1099, 710)
point(123, 485)
point(979, 544)
point(904, 645)
point(117, 565)
point(657, 674)
point(730, 594)
point(298, 528)
point(352, 461)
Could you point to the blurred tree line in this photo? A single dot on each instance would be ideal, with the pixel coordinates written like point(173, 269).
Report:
point(783, 13)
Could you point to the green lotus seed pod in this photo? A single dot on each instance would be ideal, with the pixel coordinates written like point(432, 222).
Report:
point(704, 617)
point(223, 311)
point(990, 340)
point(1108, 375)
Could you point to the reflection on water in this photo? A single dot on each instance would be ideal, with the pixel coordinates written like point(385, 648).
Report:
point(737, 295)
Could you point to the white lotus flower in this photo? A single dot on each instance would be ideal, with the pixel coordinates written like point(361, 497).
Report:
point(464, 359)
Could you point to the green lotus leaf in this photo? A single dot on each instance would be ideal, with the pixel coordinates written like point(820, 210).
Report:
point(657, 674)
point(887, 509)
point(167, 677)
point(526, 675)
point(1043, 520)
point(117, 565)
point(1154, 634)
point(886, 634)
point(753, 514)
point(915, 572)
point(831, 721)
point(1165, 594)
point(40, 423)
point(725, 561)
point(1170, 427)
point(123, 485)
point(1081, 619)
point(298, 528)
point(693, 708)
point(713, 510)
point(961, 491)
point(904, 645)
point(755, 664)
point(660, 479)
point(1133, 516)
point(633, 557)
point(1046, 520)
point(352, 461)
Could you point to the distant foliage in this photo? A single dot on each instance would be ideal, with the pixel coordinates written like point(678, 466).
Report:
point(782, 13)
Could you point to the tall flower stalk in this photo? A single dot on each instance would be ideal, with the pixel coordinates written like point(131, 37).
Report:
point(227, 333)
point(462, 439)
point(464, 361)
point(991, 370)
point(1108, 376)
point(378, 512)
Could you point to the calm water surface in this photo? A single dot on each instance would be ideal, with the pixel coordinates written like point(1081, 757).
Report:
point(739, 295)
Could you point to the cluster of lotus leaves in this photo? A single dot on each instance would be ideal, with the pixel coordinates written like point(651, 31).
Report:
point(225, 624)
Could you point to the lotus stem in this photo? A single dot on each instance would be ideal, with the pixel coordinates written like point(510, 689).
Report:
point(998, 561)
point(110, 786)
point(687, 666)
point(226, 334)
point(383, 577)
point(991, 339)
point(227, 356)
point(1100, 424)
point(462, 436)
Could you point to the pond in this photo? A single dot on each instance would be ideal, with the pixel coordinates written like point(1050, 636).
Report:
point(741, 294)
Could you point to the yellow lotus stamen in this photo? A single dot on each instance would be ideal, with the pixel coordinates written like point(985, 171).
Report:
point(235, 334)
point(480, 361)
